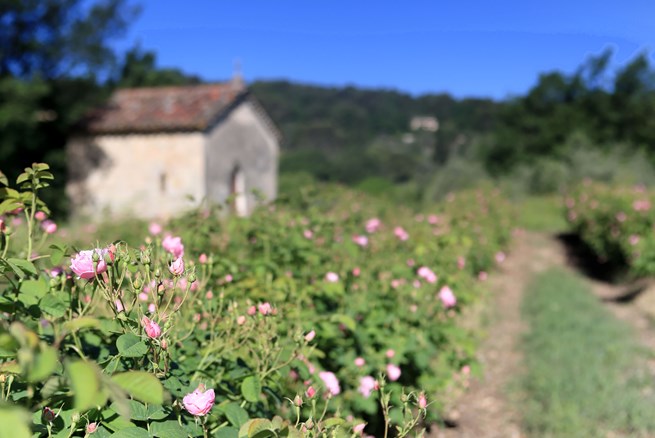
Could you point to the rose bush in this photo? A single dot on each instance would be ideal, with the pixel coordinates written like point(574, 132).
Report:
point(205, 326)
point(616, 224)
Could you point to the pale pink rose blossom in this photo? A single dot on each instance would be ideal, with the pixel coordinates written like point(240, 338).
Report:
point(447, 297)
point(360, 240)
point(482, 276)
point(331, 382)
point(49, 227)
point(241, 320)
point(332, 277)
point(360, 362)
point(228, 278)
point(373, 225)
point(426, 273)
point(152, 308)
point(359, 428)
point(634, 239)
point(400, 233)
point(209, 295)
point(393, 372)
point(311, 392)
point(151, 328)
point(154, 228)
point(310, 336)
point(143, 296)
point(83, 265)
point(202, 259)
point(173, 245)
point(621, 217)
point(500, 257)
point(390, 353)
point(177, 267)
point(199, 402)
point(91, 428)
point(252, 310)
point(422, 401)
point(357, 271)
point(308, 234)
point(410, 262)
point(119, 306)
point(264, 308)
point(366, 386)
point(40, 216)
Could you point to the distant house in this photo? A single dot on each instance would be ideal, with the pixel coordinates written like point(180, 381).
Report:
point(155, 152)
point(425, 123)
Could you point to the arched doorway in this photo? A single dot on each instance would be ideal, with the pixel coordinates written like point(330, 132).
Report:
point(239, 202)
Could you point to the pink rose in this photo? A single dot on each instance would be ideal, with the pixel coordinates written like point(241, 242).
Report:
point(241, 320)
point(177, 267)
point(357, 271)
point(359, 428)
point(199, 402)
point(400, 233)
point(83, 265)
point(390, 353)
point(393, 372)
point(202, 259)
point(422, 401)
point(119, 305)
point(427, 274)
point(447, 297)
point(308, 234)
point(331, 382)
point(372, 225)
point(500, 257)
point(482, 276)
point(40, 216)
point(360, 362)
point(91, 428)
point(360, 240)
point(265, 308)
point(173, 245)
point(310, 336)
point(154, 228)
point(332, 277)
point(252, 310)
point(151, 328)
point(366, 386)
point(311, 392)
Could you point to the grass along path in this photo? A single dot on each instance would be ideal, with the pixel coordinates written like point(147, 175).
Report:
point(585, 374)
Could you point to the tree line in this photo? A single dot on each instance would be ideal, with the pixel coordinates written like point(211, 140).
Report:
point(57, 61)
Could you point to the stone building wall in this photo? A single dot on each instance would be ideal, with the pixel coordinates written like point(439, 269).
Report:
point(241, 151)
point(145, 175)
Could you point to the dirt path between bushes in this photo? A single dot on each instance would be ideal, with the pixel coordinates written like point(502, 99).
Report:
point(488, 408)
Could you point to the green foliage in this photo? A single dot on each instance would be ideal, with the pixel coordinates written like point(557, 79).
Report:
point(122, 341)
point(585, 375)
point(616, 223)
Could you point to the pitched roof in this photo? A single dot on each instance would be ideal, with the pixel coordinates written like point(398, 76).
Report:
point(159, 109)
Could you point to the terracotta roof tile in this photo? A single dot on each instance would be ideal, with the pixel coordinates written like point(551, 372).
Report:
point(181, 108)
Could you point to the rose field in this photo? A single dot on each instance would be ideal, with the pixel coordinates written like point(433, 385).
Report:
point(335, 314)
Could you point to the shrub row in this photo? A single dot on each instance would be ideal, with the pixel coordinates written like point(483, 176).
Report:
point(616, 223)
point(304, 319)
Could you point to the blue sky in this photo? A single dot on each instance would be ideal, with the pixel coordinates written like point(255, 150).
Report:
point(482, 48)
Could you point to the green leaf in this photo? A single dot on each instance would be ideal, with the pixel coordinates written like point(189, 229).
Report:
point(258, 427)
point(15, 422)
point(227, 432)
point(332, 422)
point(58, 252)
point(131, 432)
point(44, 364)
point(345, 320)
point(141, 385)
point(167, 429)
point(81, 323)
point(8, 205)
point(236, 415)
point(251, 388)
point(84, 379)
point(21, 267)
point(37, 288)
point(130, 345)
point(3, 179)
point(53, 305)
